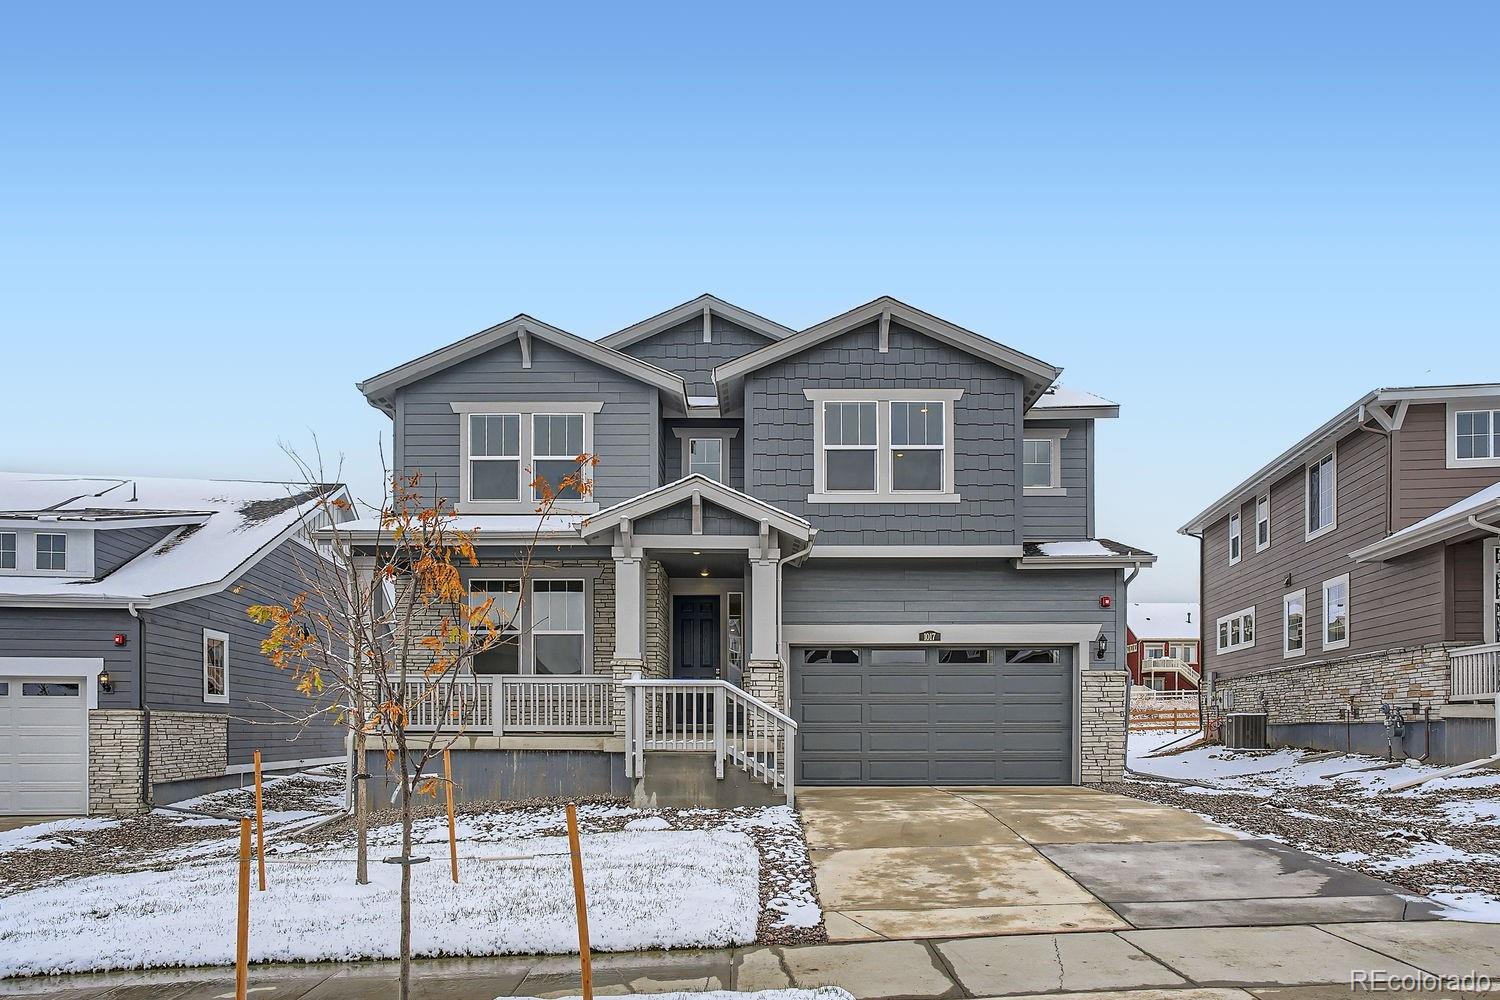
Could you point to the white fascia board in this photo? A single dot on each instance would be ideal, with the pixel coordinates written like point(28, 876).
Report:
point(1437, 393)
point(1439, 531)
point(710, 489)
point(916, 552)
point(1084, 562)
point(1073, 413)
point(103, 523)
point(653, 325)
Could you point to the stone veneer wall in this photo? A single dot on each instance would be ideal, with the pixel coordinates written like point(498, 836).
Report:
point(1322, 690)
point(658, 621)
point(1101, 725)
point(765, 680)
point(115, 762)
point(188, 745)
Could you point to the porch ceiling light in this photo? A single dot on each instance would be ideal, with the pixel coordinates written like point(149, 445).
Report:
point(703, 571)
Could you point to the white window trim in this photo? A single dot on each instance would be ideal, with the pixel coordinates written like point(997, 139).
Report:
point(1348, 612)
point(1491, 560)
point(688, 449)
point(1254, 631)
point(586, 659)
point(15, 550)
point(1236, 538)
point(1191, 648)
point(888, 455)
point(215, 699)
point(1266, 499)
point(1333, 507)
point(1055, 435)
point(36, 553)
point(525, 472)
point(1153, 647)
point(1287, 652)
point(883, 398)
point(528, 444)
point(1492, 404)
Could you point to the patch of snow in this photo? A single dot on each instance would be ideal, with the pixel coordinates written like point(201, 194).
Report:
point(1476, 906)
point(648, 823)
point(49, 836)
point(678, 889)
point(1066, 397)
point(1084, 548)
point(820, 993)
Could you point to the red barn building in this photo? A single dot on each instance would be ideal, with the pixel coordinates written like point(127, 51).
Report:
point(1162, 646)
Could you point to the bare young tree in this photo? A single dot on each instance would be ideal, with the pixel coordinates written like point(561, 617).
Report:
point(384, 626)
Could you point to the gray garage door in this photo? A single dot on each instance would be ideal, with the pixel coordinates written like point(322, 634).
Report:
point(906, 716)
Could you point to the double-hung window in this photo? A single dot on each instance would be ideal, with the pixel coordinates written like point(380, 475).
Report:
point(1263, 523)
point(1155, 651)
point(1187, 652)
point(556, 446)
point(504, 657)
point(917, 433)
point(1294, 624)
point(1474, 436)
point(215, 666)
point(494, 456)
point(1037, 462)
point(1321, 495)
point(850, 448)
point(7, 550)
point(1234, 538)
point(1336, 612)
point(557, 627)
point(706, 457)
point(51, 551)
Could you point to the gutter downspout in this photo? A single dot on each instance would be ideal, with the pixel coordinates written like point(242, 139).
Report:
point(1125, 593)
point(786, 667)
point(140, 629)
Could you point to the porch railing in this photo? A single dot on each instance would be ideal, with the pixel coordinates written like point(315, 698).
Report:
point(1474, 672)
point(498, 704)
point(711, 716)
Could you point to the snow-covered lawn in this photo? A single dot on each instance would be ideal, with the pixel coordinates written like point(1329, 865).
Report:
point(79, 895)
point(1440, 840)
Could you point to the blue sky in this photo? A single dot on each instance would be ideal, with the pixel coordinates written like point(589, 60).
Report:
point(215, 219)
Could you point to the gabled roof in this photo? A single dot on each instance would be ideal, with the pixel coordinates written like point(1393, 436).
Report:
point(227, 527)
point(1036, 373)
point(651, 326)
point(1452, 522)
point(1387, 407)
point(708, 489)
point(379, 389)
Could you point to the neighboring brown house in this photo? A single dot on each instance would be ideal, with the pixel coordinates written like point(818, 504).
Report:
point(1351, 582)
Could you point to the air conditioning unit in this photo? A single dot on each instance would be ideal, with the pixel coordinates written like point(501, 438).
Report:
point(1245, 731)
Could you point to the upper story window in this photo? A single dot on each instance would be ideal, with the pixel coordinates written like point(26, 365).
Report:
point(1234, 538)
point(1187, 652)
point(705, 457)
point(1473, 435)
point(7, 550)
point(1294, 623)
point(1041, 461)
point(1322, 477)
point(1263, 523)
point(215, 666)
point(1156, 650)
point(51, 551)
point(896, 447)
point(506, 447)
point(1336, 612)
point(1237, 631)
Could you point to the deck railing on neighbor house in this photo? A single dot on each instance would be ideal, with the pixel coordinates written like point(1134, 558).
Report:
point(709, 716)
point(498, 704)
point(1474, 672)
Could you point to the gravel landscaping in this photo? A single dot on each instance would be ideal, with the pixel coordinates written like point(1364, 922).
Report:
point(1440, 840)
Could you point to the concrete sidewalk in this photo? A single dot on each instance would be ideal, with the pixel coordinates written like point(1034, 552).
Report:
point(1300, 962)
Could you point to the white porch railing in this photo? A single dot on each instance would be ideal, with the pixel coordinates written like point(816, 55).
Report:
point(711, 716)
point(1474, 672)
point(1170, 665)
point(526, 703)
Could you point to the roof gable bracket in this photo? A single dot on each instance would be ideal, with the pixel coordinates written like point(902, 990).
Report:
point(627, 536)
point(765, 539)
point(708, 325)
point(697, 513)
point(1387, 419)
point(523, 336)
point(885, 330)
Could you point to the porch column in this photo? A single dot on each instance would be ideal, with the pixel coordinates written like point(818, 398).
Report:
point(763, 670)
point(629, 658)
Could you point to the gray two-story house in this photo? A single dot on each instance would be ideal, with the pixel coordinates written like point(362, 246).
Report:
point(1349, 584)
point(859, 553)
point(130, 672)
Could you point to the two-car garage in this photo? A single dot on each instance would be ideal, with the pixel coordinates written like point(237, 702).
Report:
point(934, 715)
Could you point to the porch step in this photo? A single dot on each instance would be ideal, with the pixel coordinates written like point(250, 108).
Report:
point(685, 780)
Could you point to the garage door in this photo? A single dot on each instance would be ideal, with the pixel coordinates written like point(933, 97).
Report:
point(44, 746)
point(919, 716)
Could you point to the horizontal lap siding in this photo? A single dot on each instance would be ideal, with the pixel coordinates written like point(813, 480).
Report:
point(779, 421)
point(113, 549)
point(1465, 569)
point(1426, 484)
point(924, 593)
point(1400, 603)
point(1071, 516)
point(77, 633)
point(624, 431)
point(262, 699)
point(672, 445)
point(681, 350)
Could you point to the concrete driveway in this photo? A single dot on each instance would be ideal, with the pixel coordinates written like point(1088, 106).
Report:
point(915, 863)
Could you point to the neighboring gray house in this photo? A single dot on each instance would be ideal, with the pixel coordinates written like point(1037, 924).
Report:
point(1352, 579)
point(124, 639)
point(864, 552)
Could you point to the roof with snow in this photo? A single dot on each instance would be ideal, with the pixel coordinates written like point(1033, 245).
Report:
point(1170, 620)
point(1449, 523)
point(220, 528)
point(1082, 553)
point(1065, 401)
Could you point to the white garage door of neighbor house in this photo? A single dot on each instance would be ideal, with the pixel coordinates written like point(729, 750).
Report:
point(44, 746)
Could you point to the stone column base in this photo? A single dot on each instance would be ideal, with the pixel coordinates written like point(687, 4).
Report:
point(115, 762)
point(622, 671)
point(764, 679)
point(1101, 725)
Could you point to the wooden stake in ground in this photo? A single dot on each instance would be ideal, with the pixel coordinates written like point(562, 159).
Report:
point(260, 828)
point(580, 904)
point(242, 922)
point(452, 828)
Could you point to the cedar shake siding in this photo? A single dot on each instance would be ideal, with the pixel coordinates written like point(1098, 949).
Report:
point(625, 431)
point(1399, 603)
point(987, 419)
point(681, 350)
point(1424, 483)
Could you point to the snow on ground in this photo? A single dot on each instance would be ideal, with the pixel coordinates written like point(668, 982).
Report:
point(821, 993)
point(657, 889)
point(1440, 839)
